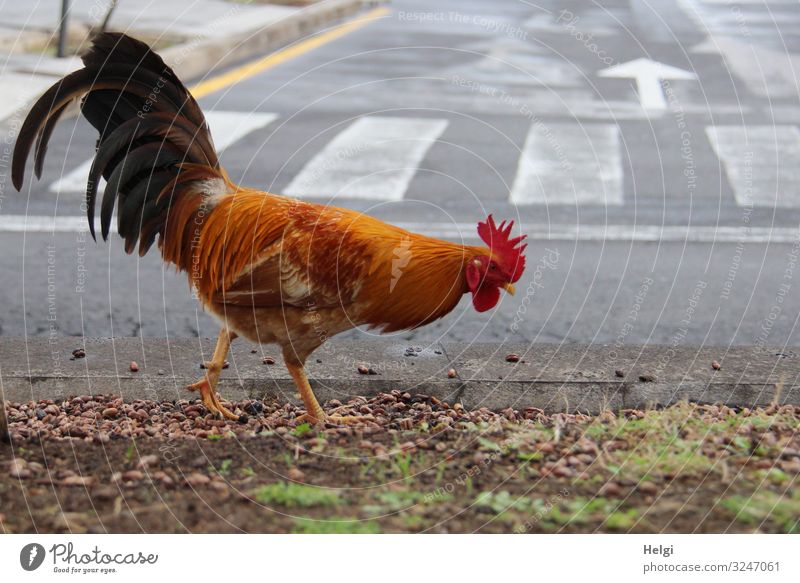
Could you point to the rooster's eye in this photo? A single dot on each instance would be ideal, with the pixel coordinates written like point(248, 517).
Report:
point(492, 266)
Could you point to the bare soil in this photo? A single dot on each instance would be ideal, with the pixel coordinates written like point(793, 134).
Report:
point(96, 464)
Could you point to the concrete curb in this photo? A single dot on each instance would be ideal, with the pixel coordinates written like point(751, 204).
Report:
point(199, 57)
point(555, 378)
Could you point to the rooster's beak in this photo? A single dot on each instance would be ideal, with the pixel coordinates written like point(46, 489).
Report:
point(509, 288)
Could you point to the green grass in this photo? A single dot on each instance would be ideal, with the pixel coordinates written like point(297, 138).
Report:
point(293, 495)
point(335, 526)
point(766, 507)
point(389, 501)
point(301, 429)
point(224, 468)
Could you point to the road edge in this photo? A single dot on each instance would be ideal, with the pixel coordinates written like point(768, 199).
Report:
point(199, 57)
point(553, 378)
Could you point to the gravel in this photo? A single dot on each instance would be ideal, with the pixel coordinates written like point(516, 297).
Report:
point(102, 418)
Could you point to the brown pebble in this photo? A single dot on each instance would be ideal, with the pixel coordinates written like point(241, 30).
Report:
point(451, 374)
point(147, 461)
point(647, 378)
point(196, 479)
point(408, 446)
point(77, 481)
point(17, 469)
point(610, 489)
point(134, 366)
point(77, 431)
point(110, 413)
point(132, 476)
point(78, 353)
point(296, 474)
point(268, 360)
point(512, 357)
point(715, 365)
point(648, 488)
point(363, 369)
point(620, 373)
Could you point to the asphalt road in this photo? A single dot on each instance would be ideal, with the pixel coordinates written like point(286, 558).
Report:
point(661, 212)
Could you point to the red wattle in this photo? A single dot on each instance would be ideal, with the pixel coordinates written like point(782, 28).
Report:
point(485, 298)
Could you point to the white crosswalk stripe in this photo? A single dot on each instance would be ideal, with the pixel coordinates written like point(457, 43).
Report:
point(570, 164)
point(374, 158)
point(466, 231)
point(761, 163)
point(227, 127)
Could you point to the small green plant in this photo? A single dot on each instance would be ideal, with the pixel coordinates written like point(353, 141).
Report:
point(765, 506)
point(225, 467)
point(403, 464)
point(622, 519)
point(248, 472)
point(130, 452)
point(293, 495)
point(301, 429)
point(335, 526)
point(501, 501)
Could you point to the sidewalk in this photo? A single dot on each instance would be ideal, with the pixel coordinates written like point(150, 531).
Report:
point(569, 378)
point(194, 38)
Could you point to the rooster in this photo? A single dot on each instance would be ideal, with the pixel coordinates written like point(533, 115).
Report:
point(272, 269)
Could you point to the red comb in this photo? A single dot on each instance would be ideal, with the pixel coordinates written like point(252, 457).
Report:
point(504, 250)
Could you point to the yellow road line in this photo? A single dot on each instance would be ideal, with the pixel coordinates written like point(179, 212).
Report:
point(240, 73)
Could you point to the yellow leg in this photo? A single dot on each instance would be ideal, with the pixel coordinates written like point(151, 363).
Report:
point(208, 384)
point(314, 413)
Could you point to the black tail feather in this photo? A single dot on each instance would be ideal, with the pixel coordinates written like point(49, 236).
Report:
point(148, 123)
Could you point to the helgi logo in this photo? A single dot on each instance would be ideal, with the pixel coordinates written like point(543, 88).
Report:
point(31, 556)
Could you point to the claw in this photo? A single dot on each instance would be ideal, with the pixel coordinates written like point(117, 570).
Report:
point(211, 399)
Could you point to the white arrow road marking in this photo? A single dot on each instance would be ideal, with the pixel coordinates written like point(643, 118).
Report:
point(375, 158)
point(648, 75)
point(570, 164)
point(761, 163)
point(467, 231)
point(227, 127)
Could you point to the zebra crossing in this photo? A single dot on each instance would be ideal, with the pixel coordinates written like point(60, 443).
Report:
point(566, 163)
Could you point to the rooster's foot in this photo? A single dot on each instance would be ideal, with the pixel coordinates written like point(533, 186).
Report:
point(211, 399)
